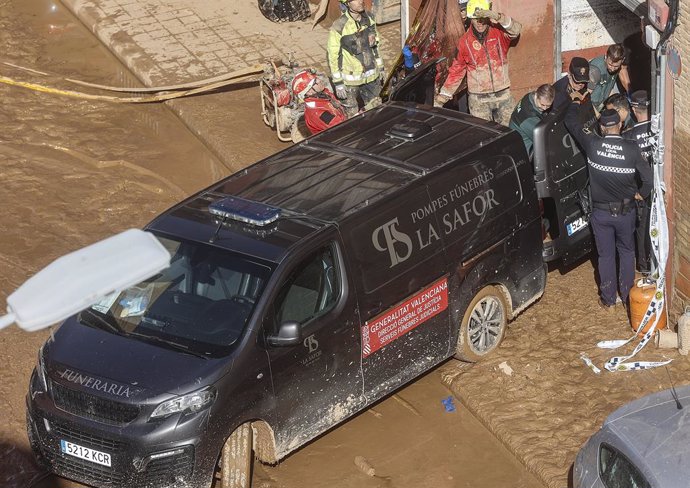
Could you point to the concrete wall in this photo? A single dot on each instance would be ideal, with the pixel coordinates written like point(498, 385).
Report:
point(679, 199)
point(531, 60)
point(588, 24)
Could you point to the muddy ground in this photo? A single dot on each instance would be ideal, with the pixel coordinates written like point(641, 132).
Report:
point(75, 171)
point(551, 403)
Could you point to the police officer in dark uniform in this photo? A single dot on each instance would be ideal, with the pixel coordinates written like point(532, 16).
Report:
point(614, 164)
point(641, 133)
point(575, 81)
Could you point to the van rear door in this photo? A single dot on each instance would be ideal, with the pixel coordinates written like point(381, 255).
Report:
point(560, 173)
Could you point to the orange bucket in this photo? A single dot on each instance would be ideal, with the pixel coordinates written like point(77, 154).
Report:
point(640, 296)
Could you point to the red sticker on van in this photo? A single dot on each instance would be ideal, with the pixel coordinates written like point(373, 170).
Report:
point(402, 318)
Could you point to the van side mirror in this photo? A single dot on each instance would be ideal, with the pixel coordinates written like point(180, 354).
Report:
point(289, 334)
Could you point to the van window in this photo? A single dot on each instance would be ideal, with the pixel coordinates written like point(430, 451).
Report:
point(311, 290)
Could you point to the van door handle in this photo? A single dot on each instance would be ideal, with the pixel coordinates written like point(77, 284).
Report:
point(259, 376)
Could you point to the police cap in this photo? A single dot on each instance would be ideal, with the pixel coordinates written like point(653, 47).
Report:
point(639, 98)
point(609, 118)
point(579, 69)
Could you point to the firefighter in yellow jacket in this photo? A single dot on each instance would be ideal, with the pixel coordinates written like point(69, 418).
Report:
point(356, 66)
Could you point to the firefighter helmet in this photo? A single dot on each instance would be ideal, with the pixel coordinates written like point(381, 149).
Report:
point(473, 5)
point(302, 83)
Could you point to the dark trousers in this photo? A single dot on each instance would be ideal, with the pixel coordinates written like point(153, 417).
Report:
point(613, 234)
point(644, 242)
point(366, 92)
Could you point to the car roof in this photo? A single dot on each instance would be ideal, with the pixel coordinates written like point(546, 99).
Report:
point(656, 430)
point(335, 174)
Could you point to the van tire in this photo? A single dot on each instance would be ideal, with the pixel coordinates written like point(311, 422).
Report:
point(236, 459)
point(480, 334)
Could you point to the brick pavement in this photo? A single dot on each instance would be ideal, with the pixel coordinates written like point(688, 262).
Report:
point(173, 41)
point(165, 42)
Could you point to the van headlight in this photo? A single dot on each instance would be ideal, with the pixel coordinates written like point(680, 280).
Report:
point(190, 403)
point(41, 373)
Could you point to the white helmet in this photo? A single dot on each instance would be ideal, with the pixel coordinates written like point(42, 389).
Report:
point(302, 83)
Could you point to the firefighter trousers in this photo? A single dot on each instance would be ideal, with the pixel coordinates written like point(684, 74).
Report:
point(497, 107)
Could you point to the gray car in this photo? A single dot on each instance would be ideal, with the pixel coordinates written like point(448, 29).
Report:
point(643, 444)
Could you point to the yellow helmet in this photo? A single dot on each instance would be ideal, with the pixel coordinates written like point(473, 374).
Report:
point(473, 5)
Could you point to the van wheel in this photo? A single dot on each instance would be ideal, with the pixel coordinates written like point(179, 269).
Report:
point(236, 459)
point(483, 325)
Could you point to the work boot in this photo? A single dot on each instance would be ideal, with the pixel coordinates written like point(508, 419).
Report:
point(610, 309)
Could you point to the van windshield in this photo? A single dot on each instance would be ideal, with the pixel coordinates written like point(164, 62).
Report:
point(201, 303)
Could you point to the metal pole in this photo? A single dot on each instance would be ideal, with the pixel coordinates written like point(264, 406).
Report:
point(660, 102)
point(557, 42)
point(404, 21)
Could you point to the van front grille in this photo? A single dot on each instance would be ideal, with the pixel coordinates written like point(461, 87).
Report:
point(87, 440)
point(92, 407)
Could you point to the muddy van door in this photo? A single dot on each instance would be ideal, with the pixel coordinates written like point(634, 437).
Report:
point(417, 86)
point(560, 173)
point(311, 331)
point(402, 289)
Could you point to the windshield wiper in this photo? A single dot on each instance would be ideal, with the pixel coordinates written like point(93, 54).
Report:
point(101, 320)
point(175, 345)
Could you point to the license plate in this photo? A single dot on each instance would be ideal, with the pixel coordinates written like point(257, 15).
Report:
point(576, 225)
point(85, 453)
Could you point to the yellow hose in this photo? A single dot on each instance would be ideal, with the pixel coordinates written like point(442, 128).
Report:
point(229, 79)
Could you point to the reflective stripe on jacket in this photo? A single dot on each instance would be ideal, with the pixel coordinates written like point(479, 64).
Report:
point(353, 60)
point(485, 64)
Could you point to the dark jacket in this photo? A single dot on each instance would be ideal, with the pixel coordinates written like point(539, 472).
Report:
point(563, 90)
point(613, 163)
point(641, 133)
point(525, 118)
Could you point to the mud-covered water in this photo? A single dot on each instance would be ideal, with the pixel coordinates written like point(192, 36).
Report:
point(75, 171)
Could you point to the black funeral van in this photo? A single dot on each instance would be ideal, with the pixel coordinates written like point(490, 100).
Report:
point(301, 290)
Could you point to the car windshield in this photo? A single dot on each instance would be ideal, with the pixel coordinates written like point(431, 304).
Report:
point(201, 303)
